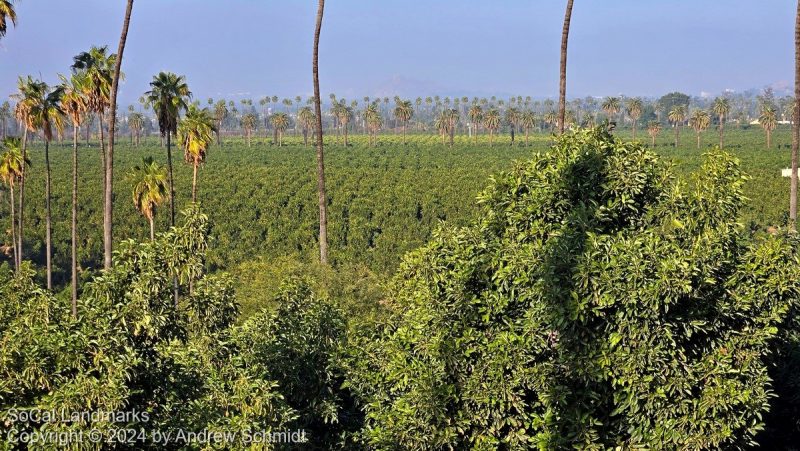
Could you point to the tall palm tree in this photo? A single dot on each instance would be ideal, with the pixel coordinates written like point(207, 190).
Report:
point(11, 168)
point(150, 189)
point(374, 120)
point(677, 115)
point(28, 93)
point(249, 124)
point(344, 115)
point(7, 14)
point(220, 113)
point(653, 129)
point(611, 106)
point(98, 67)
point(768, 120)
point(512, 117)
point(475, 117)
point(528, 121)
point(634, 110)
point(136, 124)
point(108, 191)
point(699, 121)
point(196, 133)
point(75, 106)
point(168, 96)
point(280, 122)
point(5, 115)
point(795, 123)
point(452, 117)
point(721, 107)
point(46, 116)
point(562, 90)
point(403, 112)
point(322, 198)
point(491, 121)
point(306, 119)
point(551, 119)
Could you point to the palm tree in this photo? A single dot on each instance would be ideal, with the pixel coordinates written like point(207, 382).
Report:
point(136, 124)
point(374, 123)
point(491, 120)
point(768, 120)
point(634, 109)
point(280, 122)
point(46, 116)
point(306, 119)
point(562, 90)
point(196, 133)
point(323, 209)
point(249, 124)
point(611, 106)
point(677, 115)
point(452, 117)
point(150, 189)
point(29, 91)
point(75, 106)
point(722, 107)
point(344, 114)
point(512, 117)
point(168, 96)
point(795, 123)
point(11, 169)
point(220, 113)
point(108, 206)
point(7, 14)
point(5, 115)
point(653, 129)
point(528, 120)
point(403, 112)
point(550, 118)
point(475, 117)
point(699, 121)
point(97, 66)
point(441, 123)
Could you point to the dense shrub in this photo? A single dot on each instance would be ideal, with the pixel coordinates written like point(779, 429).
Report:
point(596, 303)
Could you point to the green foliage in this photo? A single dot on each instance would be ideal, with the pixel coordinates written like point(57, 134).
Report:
point(597, 303)
point(298, 346)
point(130, 349)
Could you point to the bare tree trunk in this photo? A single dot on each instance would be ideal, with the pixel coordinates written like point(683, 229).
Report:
point(194, 182)
point(171, 183)
point(74, 225)
point(108, 205)
point(795, 124)
point(47, 220)
point(21, 213)
point(13, 230)
point(323, 207)
point(562, 91)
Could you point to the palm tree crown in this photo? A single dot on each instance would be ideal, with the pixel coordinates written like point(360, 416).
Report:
point(168, 96)
point(7, 14)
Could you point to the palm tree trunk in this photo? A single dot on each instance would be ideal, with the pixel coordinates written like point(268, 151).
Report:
point(404, 133)
point(102, 146)
point(323, 207)
point(47, 220)
point(698, 140)
point(795, 124)
point(677, 134)
point(491, 137)
point(74, 225)
point(171, 184)
point(108, 205)
point(152, 229)
point(562, 91)
point(345, 135)
point(13, 228)
point(194, 182)
point(634, 129)
point(21, 213)
point(769, 139)
point(721, 127)
point(526, 137)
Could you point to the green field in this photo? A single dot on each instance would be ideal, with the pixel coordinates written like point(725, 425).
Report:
point(383, 201)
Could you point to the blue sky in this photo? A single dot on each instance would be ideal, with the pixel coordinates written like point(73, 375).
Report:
point(251, 48)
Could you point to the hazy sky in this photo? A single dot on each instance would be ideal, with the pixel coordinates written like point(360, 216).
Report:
point(251, 48)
